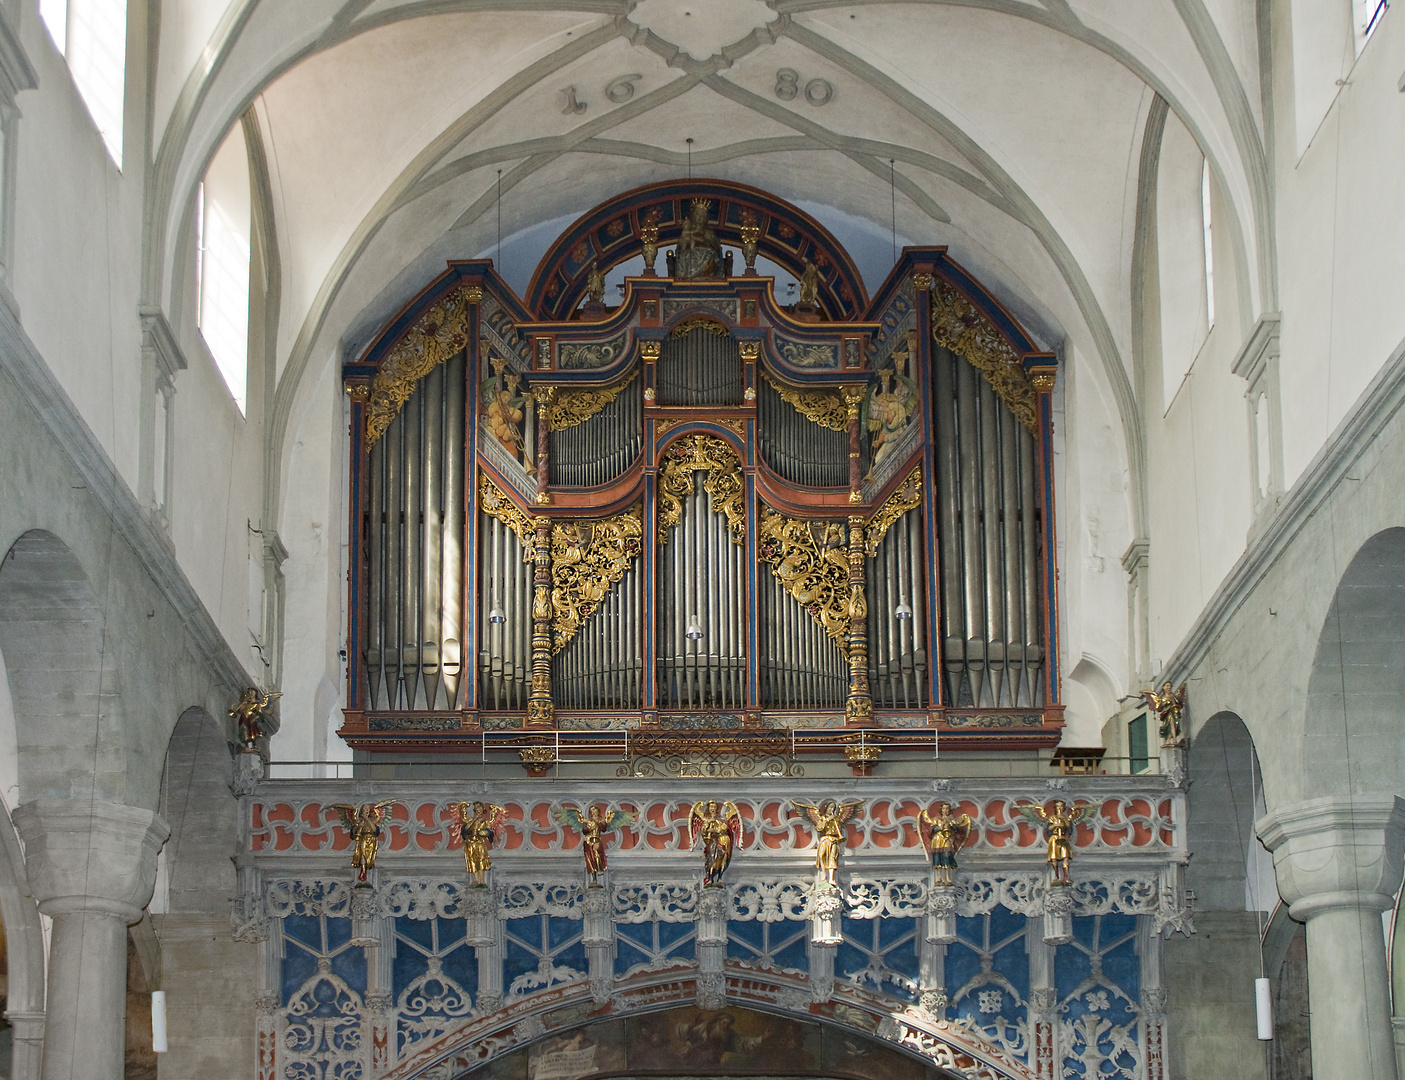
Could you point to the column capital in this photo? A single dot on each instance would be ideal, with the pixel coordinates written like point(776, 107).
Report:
point(1336, 852)
point(90, 855)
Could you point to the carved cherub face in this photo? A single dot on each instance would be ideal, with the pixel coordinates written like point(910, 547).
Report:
point(1060, 806)
point(713, 806)
point(829, 806)
point(943, 808)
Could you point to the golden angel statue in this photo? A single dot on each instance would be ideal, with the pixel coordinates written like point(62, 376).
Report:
point(1057, 821)
point(828, 819)
point(1168, 706)
point(943, 835)
point(593, 826)
point(719, 827)
point(248, 714)
point(476, 824)
point(810, 285)
point(595, 285)
point(363, 824)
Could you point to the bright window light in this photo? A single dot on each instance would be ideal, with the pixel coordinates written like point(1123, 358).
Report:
point(92, 35)
point(1209, 243)
point(1368, 17)
point(222, 228)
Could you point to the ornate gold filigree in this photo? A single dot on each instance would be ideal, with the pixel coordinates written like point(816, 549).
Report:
point(700, 322)
point(587, 559)
point(724, 483)
point(572, 407)
point(749, 350)
point(958, 325)
point(668, 423)
point(437, 335)
point(811, 561)
point(1042, 381)
point(650, 350)
point(734, 423)
point(907, 496)
point(819, 406)
point(495, 504)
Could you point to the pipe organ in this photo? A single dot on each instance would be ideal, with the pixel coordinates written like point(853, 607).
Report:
point(702, 510)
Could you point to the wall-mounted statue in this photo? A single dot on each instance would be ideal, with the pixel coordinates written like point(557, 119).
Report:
point(363, 824)
point(719, 827)
point(1168, 705)
point(943, 835)
point(249, 712)
point(503, 406)
point(476, 825)
point(698, 253)
point(1057, 822)
point(593, 827)
point(829, 819)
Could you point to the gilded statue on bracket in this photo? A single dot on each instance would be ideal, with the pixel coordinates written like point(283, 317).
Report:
point(363, 825)
point(890, 406)
point(504, 406)
point(943, 835)
point(595, 285)
point(698, 253)
point(476, 824)
point(593, 826)
point(1168, 705)
point(1057, 821)
point(719, 827)
point(249, 712)
point(810, 285)
point(829, 819)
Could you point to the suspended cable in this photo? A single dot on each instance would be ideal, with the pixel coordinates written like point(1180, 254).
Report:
point(893, 198)
point(498, 258)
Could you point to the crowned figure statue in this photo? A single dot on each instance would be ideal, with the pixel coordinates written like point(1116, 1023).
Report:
point(698, 253)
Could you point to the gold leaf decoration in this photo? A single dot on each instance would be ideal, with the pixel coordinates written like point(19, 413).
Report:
point(820, 406)
point(495, 504)
point(907, 496)
point(572, 407)
point(702, 453)
point(587, 559)
point(958, 325)
point(700, 322)
point(811, 561)
point(438, 334)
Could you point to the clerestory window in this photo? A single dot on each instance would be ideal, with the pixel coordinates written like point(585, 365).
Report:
point(92, 36)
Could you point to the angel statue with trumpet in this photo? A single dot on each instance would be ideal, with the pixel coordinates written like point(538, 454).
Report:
point(476, 824)
point(593, 826)
point(363, 825)
point(248, 714)
point(943, 835)
point(1168, 706)
point(719, 827)
point(1057, 821)
point(829, 819)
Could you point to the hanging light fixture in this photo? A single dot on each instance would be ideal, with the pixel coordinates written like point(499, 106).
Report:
point(495, 613)
point(695, 630)
point(902, 612)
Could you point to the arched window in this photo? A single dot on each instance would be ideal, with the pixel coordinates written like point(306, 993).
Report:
point(222, 223)
point(92, 36)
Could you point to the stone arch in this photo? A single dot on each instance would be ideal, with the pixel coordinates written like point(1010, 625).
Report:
point(197, 803)
point(24, 956)
point(65, 689)
point(1356, 689)
point(1229, 869)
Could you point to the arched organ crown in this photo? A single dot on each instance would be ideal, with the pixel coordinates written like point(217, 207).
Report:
point(711, 507)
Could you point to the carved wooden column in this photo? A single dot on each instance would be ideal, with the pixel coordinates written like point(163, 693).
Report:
point(541, 713)
point(543, 396)
point(853, 398)
point(858, 709)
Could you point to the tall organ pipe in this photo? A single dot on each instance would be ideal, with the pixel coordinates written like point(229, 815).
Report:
point(948, 516)
point(895, 577)
point(992, 509)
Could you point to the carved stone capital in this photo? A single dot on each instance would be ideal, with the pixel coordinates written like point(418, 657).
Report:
point(1336, 852)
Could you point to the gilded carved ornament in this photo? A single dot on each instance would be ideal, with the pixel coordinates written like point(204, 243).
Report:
point(810, 559)
point(701, 322)
point(819, 406)
point(907, 496)
point(960, 327)
point(438, 334)
point(495, 504)
point(702, 453)
point(587, 559)
point(571, 407)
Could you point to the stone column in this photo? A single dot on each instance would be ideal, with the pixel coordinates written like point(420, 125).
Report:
point(92, 867)
point(1338, 862)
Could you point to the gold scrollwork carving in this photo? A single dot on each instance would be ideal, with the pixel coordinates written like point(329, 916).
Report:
point(819, 406)
point(962, 328)
point(700, 322)
point(907, 496)
point(697, 453)
point(572, 407)
point(495, 504)
point(811, 561)
point(436, 335)
point(587, 559)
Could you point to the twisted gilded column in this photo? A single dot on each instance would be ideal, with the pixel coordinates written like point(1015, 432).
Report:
point(541, 713)
point(858, 709)
point(1338, 864)
point(92, 868)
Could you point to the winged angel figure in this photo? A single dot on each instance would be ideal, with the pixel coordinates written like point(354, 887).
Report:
point(943, 835)
point(719, 827)
point(363, 825)
point(593, 827)
point(476, 824)
point(829, 819)
point(1057, 822)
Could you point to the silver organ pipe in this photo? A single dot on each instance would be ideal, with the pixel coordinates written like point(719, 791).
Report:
point(897, 664)
point(701, 586)
point(797, 448)
point(602, 666)
point(504, 658)
point(602, 447)
point(989, 543)
point(802, 667)
point(700, 368)
point(414, 548)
